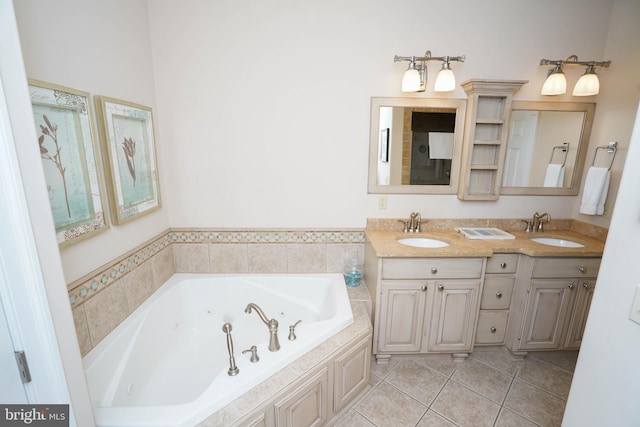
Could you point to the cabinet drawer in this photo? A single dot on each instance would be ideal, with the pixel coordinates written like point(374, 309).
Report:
point(496, 294)
point(492, 326)
point(432, 268)
point(502, 263)
point(565, 267)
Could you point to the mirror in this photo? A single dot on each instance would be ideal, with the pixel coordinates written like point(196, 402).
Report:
point(546, 147)
point(415, 145)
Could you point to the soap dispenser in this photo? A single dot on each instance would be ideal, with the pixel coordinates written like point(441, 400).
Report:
point(353, 270)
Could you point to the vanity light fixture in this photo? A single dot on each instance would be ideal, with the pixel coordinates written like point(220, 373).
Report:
point(415, 78)
point(556, 83)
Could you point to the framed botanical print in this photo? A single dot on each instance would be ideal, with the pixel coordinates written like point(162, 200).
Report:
point(128, 145)
point(68, 148)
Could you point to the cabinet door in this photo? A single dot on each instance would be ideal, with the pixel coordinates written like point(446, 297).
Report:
point(402, 308)
point(307, 405)
point(545, 315)
point(454, 316)
point(351, 374)
point(580, 313)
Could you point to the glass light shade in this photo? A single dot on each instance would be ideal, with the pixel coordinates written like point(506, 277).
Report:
point(556, 84)
point(411, 80)
point(587, 85)
point(445, 82)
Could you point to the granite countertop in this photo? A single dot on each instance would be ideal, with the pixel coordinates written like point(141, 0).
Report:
point(385, 244)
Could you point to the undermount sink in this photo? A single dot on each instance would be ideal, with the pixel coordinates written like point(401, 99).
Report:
point(422, 242)
point(552, 241)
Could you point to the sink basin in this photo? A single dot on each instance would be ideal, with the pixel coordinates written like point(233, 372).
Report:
point(551, 241)
point(422, 242)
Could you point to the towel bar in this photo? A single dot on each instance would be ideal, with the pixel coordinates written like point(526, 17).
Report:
point(565, 149)
point(611, 148)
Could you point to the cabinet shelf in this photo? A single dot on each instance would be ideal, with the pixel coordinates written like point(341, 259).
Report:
point(490, 121)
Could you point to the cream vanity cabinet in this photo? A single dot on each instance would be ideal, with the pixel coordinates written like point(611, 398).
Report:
point(424, 304)
point(495, 302)
point(555, 296)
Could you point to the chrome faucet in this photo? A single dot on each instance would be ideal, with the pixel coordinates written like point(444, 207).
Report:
point(413, 224)
point(538, 220)
point(274, 344)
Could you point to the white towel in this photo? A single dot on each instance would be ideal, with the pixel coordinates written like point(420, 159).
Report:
point(554, 176)
point(595, 191)
point(440, 145)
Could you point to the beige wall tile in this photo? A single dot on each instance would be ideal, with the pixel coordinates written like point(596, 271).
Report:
point(229, 258)
point(82, 329)
point(306, 258)
point(163, 266)
point(191, 258)
point(267, 258)
point(337, 254)
point(139, 285)
point(106, 310)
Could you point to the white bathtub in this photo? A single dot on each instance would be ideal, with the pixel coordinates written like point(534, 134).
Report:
point(166, 364)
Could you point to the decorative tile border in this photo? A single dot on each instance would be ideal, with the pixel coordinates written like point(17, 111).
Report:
point(265, 236)
point(83, 289)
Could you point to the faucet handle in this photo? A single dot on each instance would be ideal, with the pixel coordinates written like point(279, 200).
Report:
point(254, 354)
point(405, 225)
point(292, 333)
point(528, 227)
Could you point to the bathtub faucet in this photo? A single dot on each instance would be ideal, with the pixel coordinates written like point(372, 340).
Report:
point(274, 344)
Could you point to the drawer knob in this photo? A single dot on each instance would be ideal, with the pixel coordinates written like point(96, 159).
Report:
point(498, 294)
point(434, 270)
point(424, 288)
point(571, 285)
point(503, 265)
point(493, 329)
point(585, 285)
point(582, 269)
point(440, 287)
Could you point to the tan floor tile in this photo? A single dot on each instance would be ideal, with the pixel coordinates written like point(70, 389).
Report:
point(354, 419)
point(442, 363)
point(431, 419)
point(465, 407)
point(483, 379)
point(386, 406)
point(534, 404)
point(546, 376)
point(418, 381)
point(381, 371)
point(506, 418)
point(562, 359)
point(497, 357)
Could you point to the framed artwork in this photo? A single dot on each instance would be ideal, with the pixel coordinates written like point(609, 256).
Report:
point(68, 148)
point(384, 145)
point(126, 131)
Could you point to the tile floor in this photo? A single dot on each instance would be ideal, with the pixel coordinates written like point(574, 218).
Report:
point(487, 389)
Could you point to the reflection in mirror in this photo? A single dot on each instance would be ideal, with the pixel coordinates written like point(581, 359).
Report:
point(414, 146)
point(546, 147)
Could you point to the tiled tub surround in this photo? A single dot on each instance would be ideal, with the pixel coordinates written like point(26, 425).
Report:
point(103, 299)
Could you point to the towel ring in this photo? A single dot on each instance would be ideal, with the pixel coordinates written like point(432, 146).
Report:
point(611, 148)
point(565, 149)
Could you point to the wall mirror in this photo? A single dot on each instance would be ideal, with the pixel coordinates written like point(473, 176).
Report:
point(415, 145)
point(546, 148)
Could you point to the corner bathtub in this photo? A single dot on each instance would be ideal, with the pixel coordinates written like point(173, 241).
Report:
point(166, 364)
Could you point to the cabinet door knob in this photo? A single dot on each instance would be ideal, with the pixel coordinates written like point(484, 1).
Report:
point(424, 288)
point(585, 285)
point(493, 329)
point(503, 265)
point(498, 294)
point(434, 270)
point(571, 285)
point(440, 287)
point(582, 269)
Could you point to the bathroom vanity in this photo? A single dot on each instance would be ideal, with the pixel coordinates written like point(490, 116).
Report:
point(519, 293)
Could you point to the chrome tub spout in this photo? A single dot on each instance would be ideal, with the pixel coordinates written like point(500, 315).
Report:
point(233, 369)
point(272, 324)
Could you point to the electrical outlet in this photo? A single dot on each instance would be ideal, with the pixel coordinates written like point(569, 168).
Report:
point(382, 202)
point(635, 307)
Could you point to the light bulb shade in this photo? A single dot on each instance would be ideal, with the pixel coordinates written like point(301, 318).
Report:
point(587, 85)
point(556, 84)
point(445, 82)
point(411, 80)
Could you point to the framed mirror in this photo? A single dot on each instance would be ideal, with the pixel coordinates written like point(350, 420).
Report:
point(546, 148)
point(415, 145)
